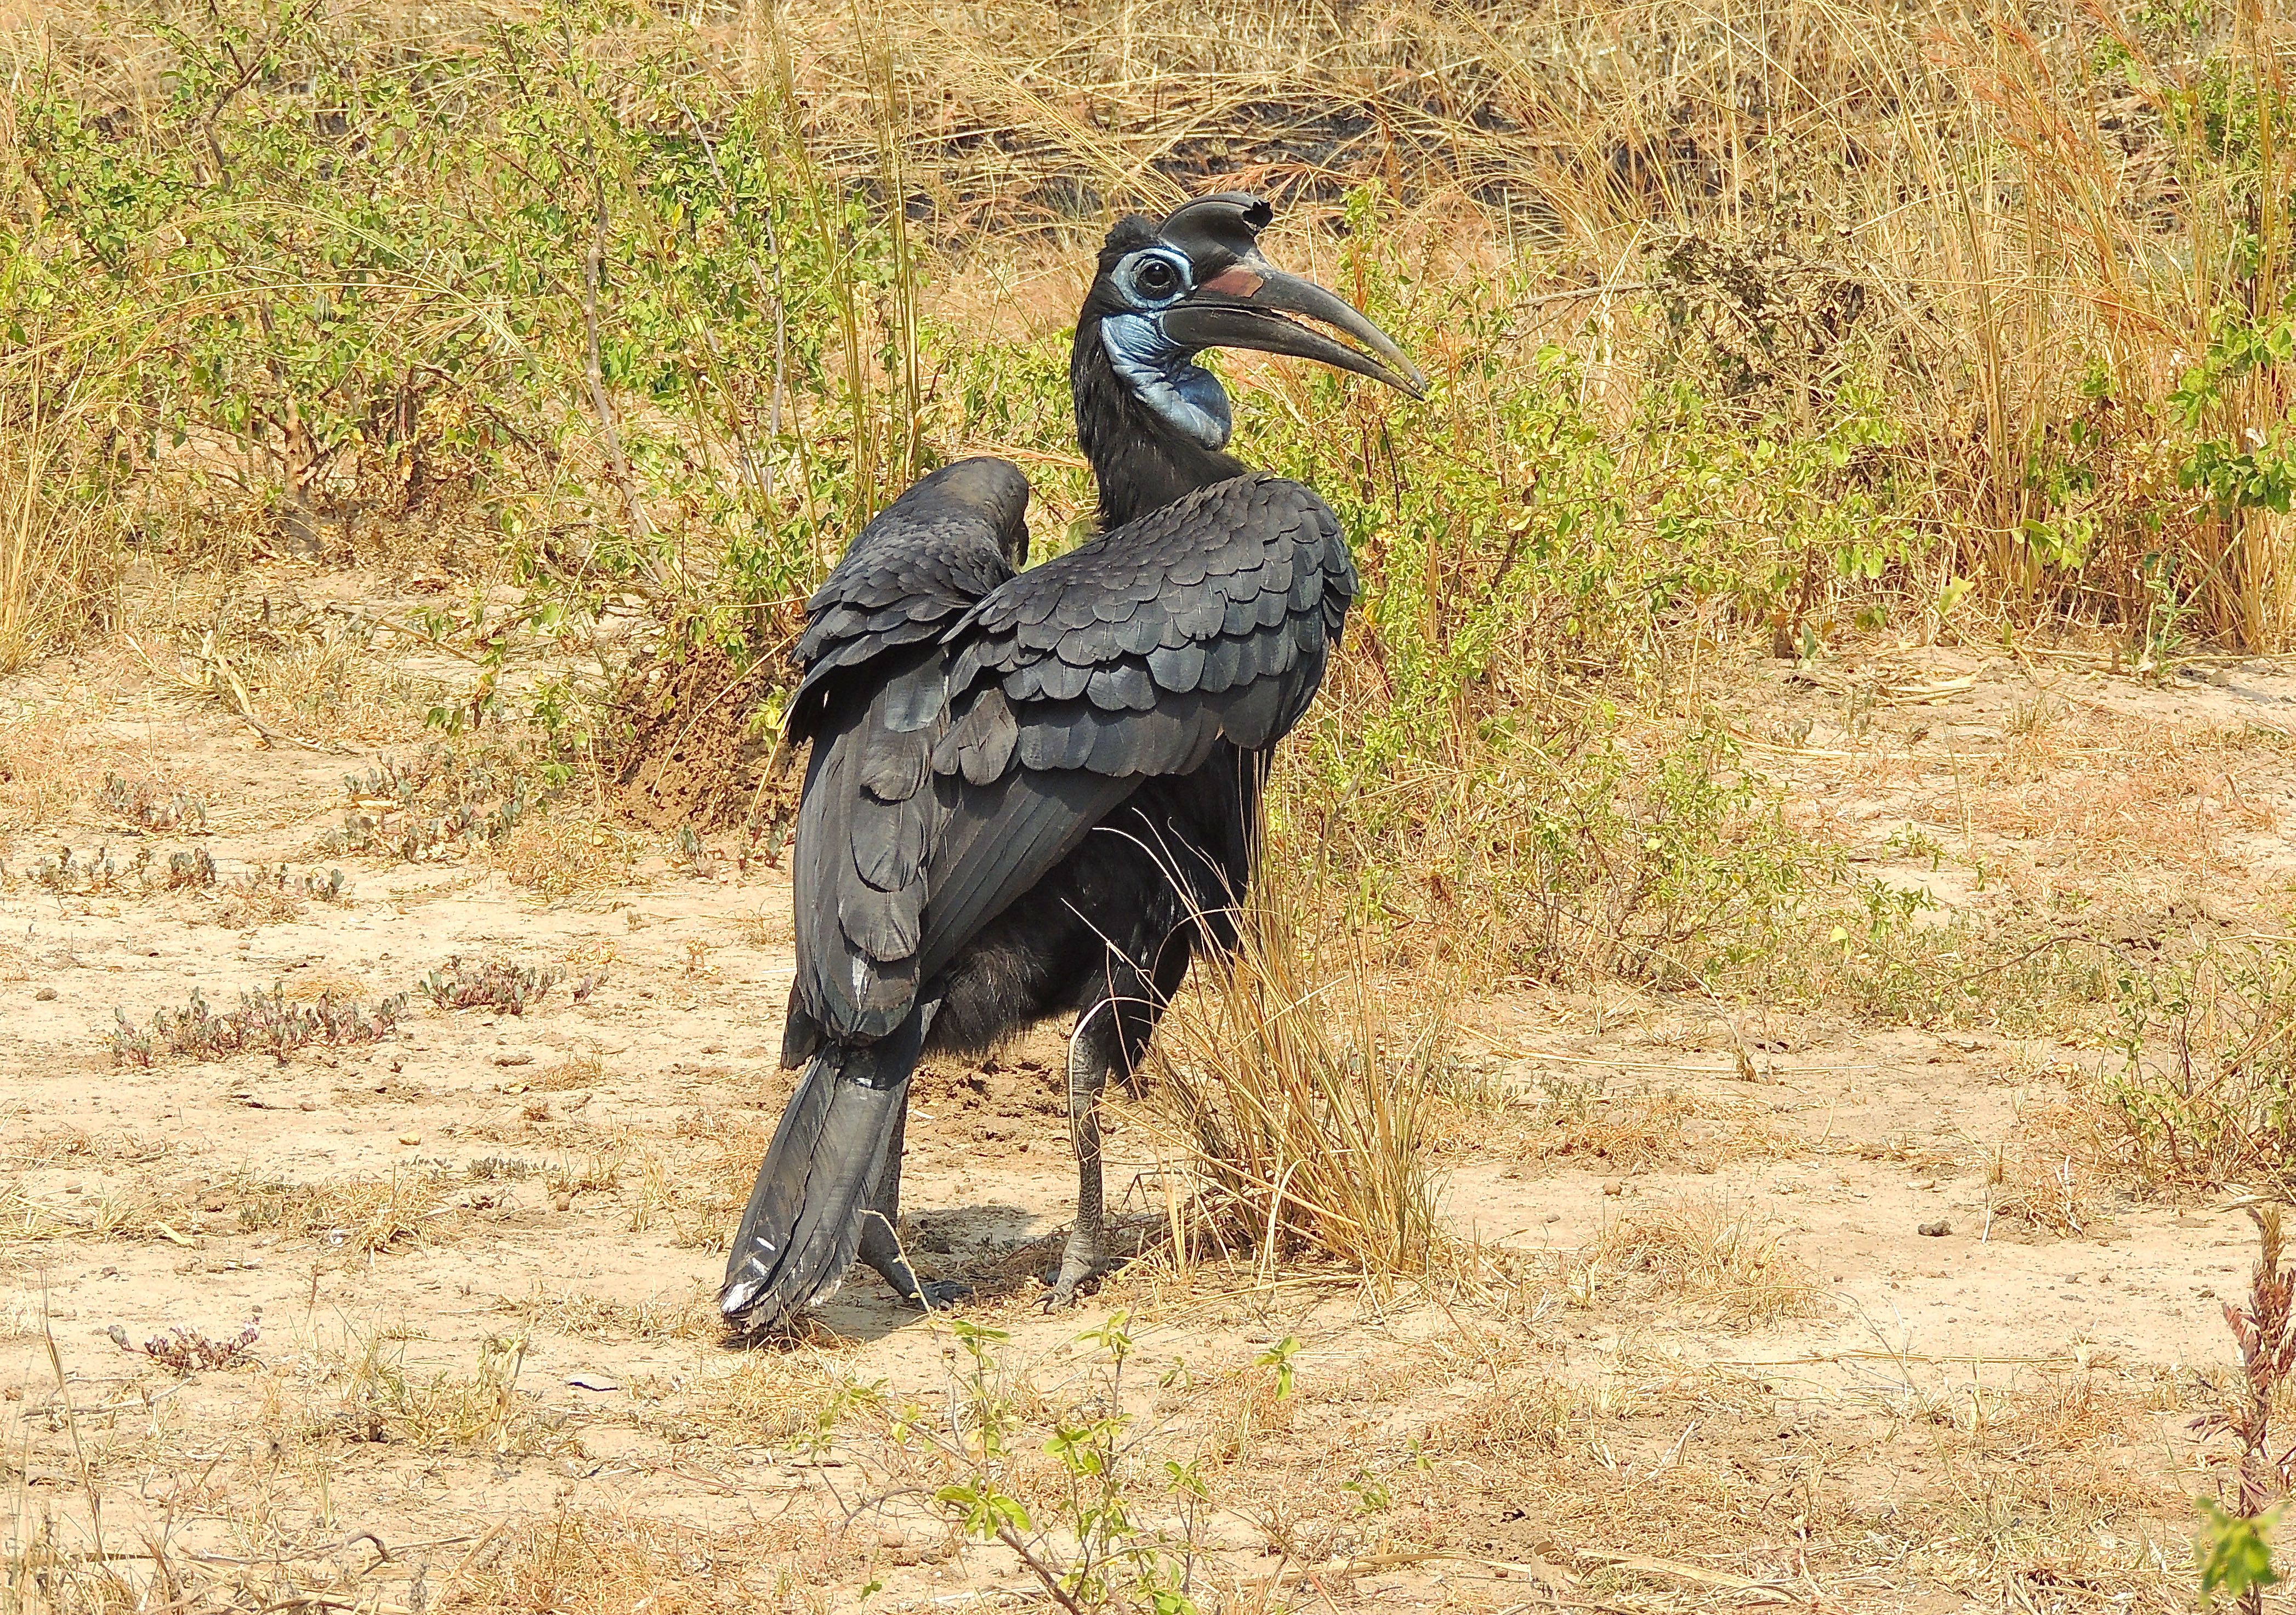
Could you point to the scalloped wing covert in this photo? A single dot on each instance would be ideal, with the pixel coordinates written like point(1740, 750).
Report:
point(1208, 622)
point(956, 773)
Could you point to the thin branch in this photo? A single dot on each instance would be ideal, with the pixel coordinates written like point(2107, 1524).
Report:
point(1604, 289)
point(592, 262)
point(1011, 1538)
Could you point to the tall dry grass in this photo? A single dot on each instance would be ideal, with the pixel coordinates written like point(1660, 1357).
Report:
point(57, 552)
point(2029, 228)
point(1767, 319)
point(2025, 229)
point(1296, 1091)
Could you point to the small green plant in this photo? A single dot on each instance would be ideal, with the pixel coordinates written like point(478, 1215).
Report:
point(89, 876)
point(440, 803)
point(1278, 1358)
point(1086, 1543)
point(190, 1351)
point(479, 1412)
point(492, 984)
point(2206, 1094)
point(144, 804)
point(2235, 1552)
point(263, 1023)
point(1913, 843)
point(193, 870)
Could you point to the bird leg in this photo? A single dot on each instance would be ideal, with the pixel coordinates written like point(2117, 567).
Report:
point(881, 1244)
point(1112, 1038)
point(1091, 1055)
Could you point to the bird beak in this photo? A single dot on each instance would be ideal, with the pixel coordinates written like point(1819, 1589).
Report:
point(1251, 304)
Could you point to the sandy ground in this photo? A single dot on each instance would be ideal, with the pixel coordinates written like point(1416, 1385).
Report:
point(1789, 1311)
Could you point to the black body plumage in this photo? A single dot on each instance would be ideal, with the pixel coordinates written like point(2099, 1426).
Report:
point(1030, 792)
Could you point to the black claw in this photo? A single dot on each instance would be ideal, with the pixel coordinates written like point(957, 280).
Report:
point(934, 1294)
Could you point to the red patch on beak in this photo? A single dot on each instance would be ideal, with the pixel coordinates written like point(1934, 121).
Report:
point(1235, 281)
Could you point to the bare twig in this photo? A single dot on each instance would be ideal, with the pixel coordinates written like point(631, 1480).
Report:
point(72, 1423)
point(1606, 288)
point(593, 371)
point(1011, 1538)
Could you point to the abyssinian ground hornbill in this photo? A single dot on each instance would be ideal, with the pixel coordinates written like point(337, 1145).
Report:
point(1033, 792)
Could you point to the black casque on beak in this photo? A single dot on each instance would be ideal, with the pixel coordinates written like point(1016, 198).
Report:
point(1242, 301)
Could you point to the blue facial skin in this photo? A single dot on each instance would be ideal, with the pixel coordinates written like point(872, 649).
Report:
point(1161, 374)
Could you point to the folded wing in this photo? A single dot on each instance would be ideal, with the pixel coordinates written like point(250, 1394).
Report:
point(872, 702)
point(1209, 620)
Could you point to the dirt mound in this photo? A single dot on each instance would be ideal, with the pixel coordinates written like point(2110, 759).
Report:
point(695, 757)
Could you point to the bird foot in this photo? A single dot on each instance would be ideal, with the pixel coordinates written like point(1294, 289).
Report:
point(1078, 1268)
point(1063, 1291)
point(938, 1295)
point(931, 1294)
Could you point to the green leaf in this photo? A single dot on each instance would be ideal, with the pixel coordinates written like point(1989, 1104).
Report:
point(2233, 1553)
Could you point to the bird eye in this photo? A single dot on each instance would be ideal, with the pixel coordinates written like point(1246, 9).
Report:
point(1151, 279)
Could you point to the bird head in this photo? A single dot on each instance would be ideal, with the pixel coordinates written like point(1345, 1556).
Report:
point(1168, 291)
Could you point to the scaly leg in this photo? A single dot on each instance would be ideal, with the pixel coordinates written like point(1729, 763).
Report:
point(1091, 1058)
point(1110, 1040)
point(880, 1247)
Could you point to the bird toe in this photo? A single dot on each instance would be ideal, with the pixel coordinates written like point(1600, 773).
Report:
point(935, 1294)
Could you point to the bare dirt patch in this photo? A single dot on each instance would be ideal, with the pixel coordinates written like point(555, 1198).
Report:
point(1779, 1307)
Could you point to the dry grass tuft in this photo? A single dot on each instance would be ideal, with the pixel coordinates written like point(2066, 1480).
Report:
point(56, 1146)
point(1510, 1421)
point(576, 1072)
point(132, 1213)
point(1708, 1252)
point(597, 1318)
point(2050, 1174)
point(581, 1564)
point(57, 552)
point(360, 1216)
point(567, 851)
point(736, 1143)
point(42, 771)
point(2109, 794)
point(1605, 1132)
point(776, 1401)
point(442, 1412)
point(1303, 1104)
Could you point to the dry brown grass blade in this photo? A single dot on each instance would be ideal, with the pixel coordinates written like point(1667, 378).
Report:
point(1299, 1097)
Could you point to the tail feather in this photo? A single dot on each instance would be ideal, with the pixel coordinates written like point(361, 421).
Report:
point(803, 1223)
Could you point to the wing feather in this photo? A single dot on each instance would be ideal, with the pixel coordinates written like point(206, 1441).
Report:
point(980, 759)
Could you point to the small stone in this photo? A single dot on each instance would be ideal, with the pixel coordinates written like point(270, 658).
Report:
point(513, 1060)
point(1936, 1230)
point(46, 994)
point(1613, 1186)
point(410, 1138)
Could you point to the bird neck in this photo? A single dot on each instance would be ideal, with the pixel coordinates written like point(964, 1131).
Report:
point(1139, 463)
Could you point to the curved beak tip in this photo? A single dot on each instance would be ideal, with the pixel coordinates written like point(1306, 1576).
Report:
point(1257, 306)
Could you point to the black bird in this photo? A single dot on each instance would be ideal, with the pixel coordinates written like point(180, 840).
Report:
point(1033, 793)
